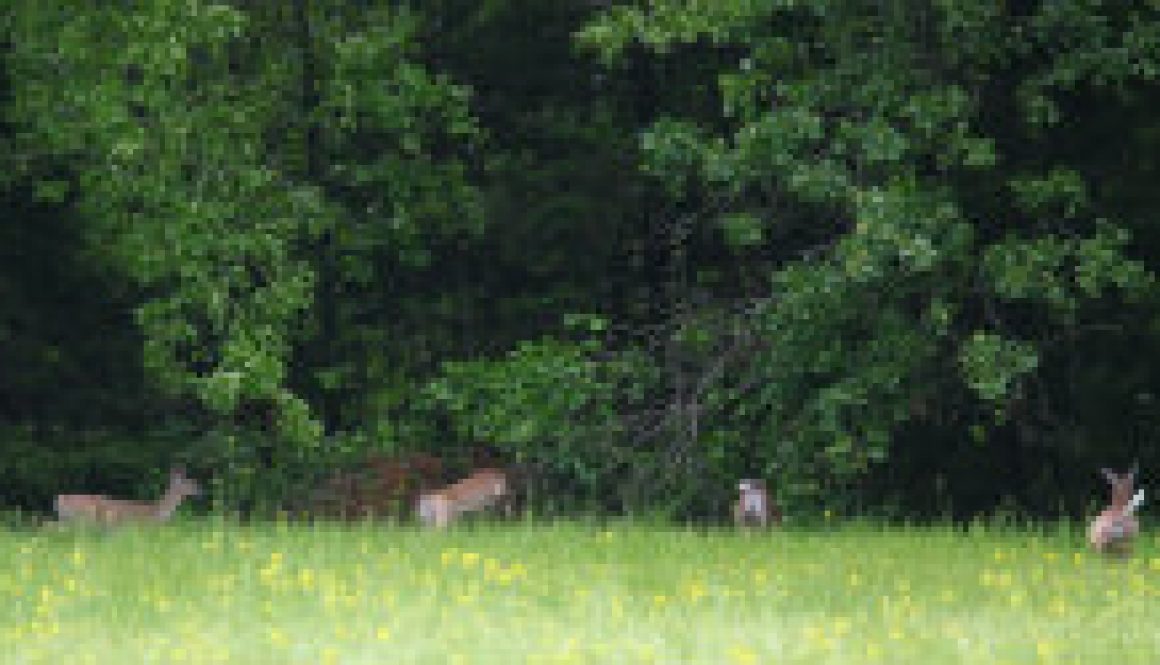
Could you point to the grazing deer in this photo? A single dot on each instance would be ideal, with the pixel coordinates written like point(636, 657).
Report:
point(92, 508)
point(753, 504)
point(480, 490)
point(1114, 528)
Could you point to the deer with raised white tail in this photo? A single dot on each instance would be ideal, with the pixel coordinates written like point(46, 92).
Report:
point(754, 504)
point(98, 509)
point(1116, 526)
point(480, 490)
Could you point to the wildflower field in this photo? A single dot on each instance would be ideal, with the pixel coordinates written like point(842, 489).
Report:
point(214, 592)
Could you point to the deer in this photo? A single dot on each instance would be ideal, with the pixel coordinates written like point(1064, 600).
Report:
point(98, 509)
point(1113, 530)
point(482, 489)
point(754, 505)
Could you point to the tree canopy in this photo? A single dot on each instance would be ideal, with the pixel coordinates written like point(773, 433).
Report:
point(893, 256)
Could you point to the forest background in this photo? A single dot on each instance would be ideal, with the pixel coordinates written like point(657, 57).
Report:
point(897, 257)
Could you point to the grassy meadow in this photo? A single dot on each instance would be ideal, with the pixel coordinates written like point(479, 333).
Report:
point(214, 592)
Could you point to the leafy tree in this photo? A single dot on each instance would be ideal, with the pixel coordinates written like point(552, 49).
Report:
point(880, 120)
point(248, 196)
point(169, 149)
point(887, 253)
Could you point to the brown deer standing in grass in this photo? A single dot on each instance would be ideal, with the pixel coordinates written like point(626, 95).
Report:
point(482, 489)
point(1113, 530)
point(97, 509)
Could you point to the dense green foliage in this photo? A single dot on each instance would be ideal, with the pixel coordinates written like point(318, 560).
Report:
point(892, 256)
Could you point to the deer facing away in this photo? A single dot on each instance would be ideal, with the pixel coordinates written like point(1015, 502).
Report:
point(97, 509)
point(754, 505)
point(1116, 526)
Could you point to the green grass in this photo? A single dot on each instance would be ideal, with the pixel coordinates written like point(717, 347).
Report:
point(207, 592)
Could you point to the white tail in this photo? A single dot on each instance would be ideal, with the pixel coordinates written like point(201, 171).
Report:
point(480, 490)
point(104, 510)
point(1135, 503)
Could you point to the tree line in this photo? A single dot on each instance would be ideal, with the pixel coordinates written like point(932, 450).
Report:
point(894, 257)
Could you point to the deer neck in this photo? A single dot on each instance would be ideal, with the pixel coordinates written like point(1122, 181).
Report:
point(1122, 508)
point(168, 503)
